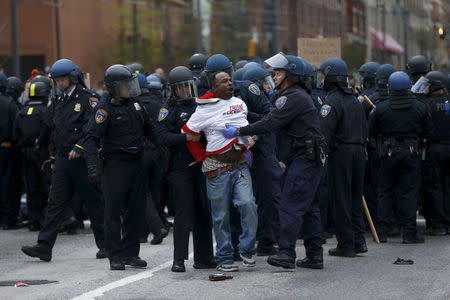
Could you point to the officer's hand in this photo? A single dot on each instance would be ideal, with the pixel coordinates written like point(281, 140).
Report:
point(251, 142)
point(229, 132)
point(193, 137)
point(74, 155)
point(282, 166)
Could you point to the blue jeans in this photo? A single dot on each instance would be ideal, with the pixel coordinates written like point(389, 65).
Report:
point(232, 187)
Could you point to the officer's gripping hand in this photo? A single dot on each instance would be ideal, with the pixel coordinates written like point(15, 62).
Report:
point(73, 155)
point(229, 132)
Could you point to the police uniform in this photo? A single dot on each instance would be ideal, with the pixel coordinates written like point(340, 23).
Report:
point(8, 205)
point(188, 186)
point(436, 186)
point(27, 128)
point(121, 129)
point(68, 121)
point(401, 123)
point(296, 119)
point(155, 161)
point(345, 128)
point(265, 171)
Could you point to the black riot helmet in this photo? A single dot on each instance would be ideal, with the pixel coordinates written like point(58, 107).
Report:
point(39, 89)
point(417, 66)
point(14, 87)
point(121, 82)
point(437, 81)
point(182, 83)
point(240, 64)
point(43, 79)
point(197, 61)
point(136, 68)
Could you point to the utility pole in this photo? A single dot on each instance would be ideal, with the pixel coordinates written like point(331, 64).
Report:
point(383, 24)
point(135, 31)
point(405, 14)
point(15, 39)
point(57, 30)
point(199, 26)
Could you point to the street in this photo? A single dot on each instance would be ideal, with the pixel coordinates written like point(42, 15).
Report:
point(79, 274)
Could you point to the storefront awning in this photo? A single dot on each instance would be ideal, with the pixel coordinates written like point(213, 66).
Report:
point(391, 45)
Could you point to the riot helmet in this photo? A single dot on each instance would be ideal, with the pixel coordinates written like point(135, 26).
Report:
point(121, 82)
point(182, 83)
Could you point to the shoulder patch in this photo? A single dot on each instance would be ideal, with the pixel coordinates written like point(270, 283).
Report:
point(280, 102)
point(93, 101)
point(137, 106)
point(254, 89)
point(163, 112)
point(361, 99)
point(325, 110)
point(100, 116)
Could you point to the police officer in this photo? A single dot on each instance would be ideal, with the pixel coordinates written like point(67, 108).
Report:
point(137, 68)
point(436, 186)
point(9, 207)
point(401, 122)
point(301, 150)
point(121, 127)
point(14, 89)
point(367, 72)
point(67, 123)
point(196, 64)
point(344, 125)
point(27, 128)
point(152, 158)
point(418, 66)
point(265, 171)
point(373, 147)
point(186, 179)
point(240, 64)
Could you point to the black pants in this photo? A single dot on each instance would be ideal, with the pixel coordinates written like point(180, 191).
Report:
point(152, 219)
point(436, 187)
point(68, 176)
point(326, 204)
point(192, 211)
point(398, 185)
point(36, 187)
point(371, 182)
point(346, 180)
point(123, 185)
point(266, 176)
point(10, 184)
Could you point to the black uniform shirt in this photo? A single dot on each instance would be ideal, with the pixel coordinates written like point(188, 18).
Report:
point(29, 122)
point(8, 112)
point(343, 119)
point(439, 105)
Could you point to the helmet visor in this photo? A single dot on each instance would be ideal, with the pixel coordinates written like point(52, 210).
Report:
point(422, 86)
point(269, 83)
point(320, 77)
point(184, 90)
point(127, 88)
point(278, 61)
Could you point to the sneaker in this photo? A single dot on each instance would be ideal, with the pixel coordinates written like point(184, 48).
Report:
point(247, 259)
point(227, 268)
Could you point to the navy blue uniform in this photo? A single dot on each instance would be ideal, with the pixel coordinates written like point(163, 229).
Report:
point(344, 126)
point(295, 117)
point(121, 129)
point(188, 184)
point(67, 123)
point(27, 128)
point(436, 188)
point(9, 207)
point(401, 123)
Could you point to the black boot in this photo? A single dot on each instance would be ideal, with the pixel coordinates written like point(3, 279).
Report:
point(415, 239)
point(101, 254)
point(361, 248)
point(341, 252)
point(281, 260)
point(135, 262)
point(158, 238)
point(116, 265)
point(42, 251)
point(313, 262)
point(178, 266)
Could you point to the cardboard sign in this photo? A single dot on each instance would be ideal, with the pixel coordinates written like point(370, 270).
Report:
point(315, 51)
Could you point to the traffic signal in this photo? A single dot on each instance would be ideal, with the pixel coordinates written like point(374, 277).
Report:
point(441, 32)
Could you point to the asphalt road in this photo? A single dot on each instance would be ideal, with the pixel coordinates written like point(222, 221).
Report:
point(369, 276)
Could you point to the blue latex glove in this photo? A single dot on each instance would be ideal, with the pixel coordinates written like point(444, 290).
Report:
point(229, 132)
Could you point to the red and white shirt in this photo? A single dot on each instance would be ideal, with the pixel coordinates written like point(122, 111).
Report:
point(211, 118)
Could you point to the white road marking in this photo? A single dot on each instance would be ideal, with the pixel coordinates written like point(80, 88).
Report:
point(99, 292)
